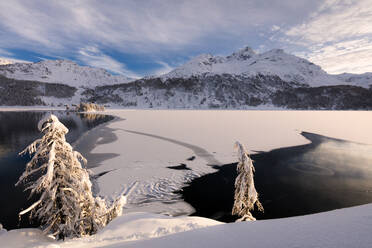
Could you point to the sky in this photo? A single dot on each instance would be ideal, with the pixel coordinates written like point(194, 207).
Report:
point(137, 38)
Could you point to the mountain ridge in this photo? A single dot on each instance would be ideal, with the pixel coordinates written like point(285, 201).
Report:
point(243, 80)
point(273, 62)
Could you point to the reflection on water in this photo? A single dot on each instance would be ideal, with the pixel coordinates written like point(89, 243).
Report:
point(17, 130)
point(324, 175)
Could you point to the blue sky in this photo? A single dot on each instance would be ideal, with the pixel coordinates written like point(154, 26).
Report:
point(146, 37)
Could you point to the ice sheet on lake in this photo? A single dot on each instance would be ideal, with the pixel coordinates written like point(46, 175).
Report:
point(150, 141)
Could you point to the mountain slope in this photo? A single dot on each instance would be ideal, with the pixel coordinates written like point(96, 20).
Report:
point(230, 92)
point(207, 91)
point(62, 72)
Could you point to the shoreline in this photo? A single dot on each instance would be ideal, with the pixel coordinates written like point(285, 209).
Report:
point(291, 181)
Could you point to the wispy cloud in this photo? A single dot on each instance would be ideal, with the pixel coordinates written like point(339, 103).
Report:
point(338, 36)
point(166, 30)
point(92, 56)
point(165, 68)
point(143, 26)
point(335, 20)
point(348, 56)
point(3, 52)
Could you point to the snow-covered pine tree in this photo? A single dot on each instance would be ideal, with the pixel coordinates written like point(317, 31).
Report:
point(66, 207)
point(246, 196)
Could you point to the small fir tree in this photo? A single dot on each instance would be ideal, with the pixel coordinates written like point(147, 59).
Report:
point(66, 207)
point(246, 196)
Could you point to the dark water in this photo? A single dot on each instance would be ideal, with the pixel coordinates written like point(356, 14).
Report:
point(17, 130)
point(324, 175)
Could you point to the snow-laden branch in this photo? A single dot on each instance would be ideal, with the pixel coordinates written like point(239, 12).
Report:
point(29, 208)
point(66, 206)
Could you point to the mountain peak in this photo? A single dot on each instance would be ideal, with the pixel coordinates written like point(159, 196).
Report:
point(242, 54)
point(276, 50)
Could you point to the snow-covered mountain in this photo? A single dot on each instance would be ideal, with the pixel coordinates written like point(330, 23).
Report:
point(362, 80)
point(276, 62)
point(242, 80)
point(62, 72)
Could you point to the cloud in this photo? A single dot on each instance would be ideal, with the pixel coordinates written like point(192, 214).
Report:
point(167, 30)
point(336, 20)
point(165, 68)
point(3, 52)
point(338, 36)
point(350, 56)
point(275, 28)
point(92, 56)
point(141, 26)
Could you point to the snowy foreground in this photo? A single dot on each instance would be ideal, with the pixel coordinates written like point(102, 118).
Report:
point(340, 228)
point(142, 144)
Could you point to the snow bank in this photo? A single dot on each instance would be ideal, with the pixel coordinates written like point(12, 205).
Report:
point(336, 229)
point(130, 227)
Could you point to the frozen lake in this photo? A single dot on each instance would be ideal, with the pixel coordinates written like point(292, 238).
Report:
point(164, 150)
point(17, 130)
